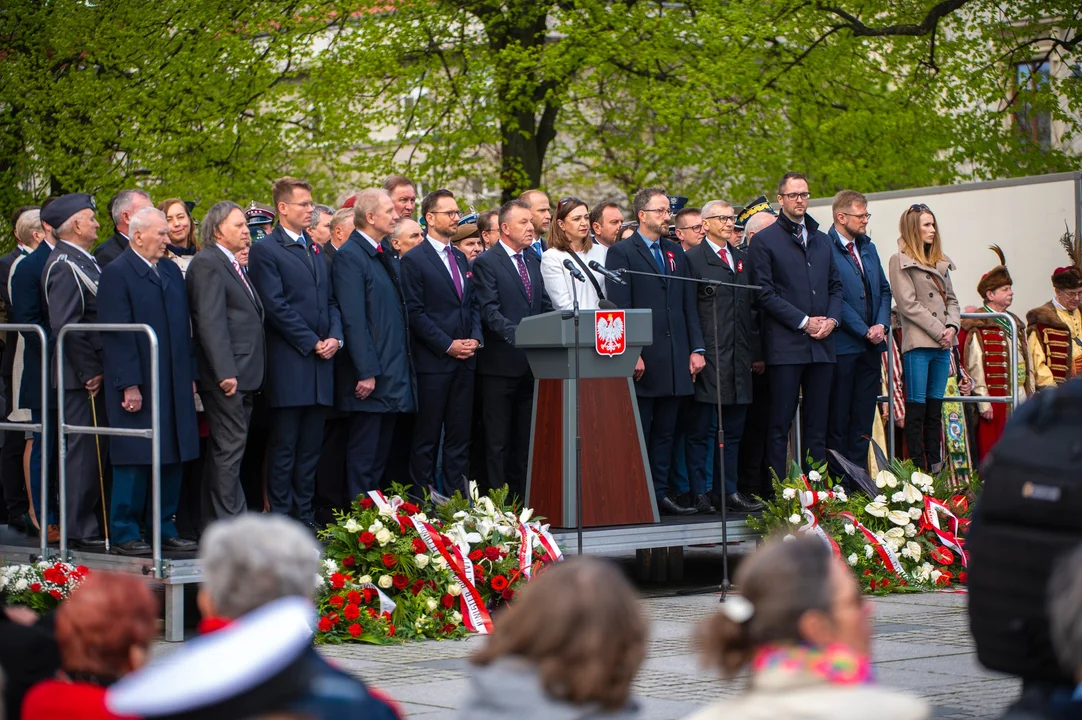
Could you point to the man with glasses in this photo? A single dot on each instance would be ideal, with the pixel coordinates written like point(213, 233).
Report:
point(801, 305)
point(861, 340)
point(661, 376)
point(304, 331)
point(689, 227)
point(488, 224)
point(1055, 331)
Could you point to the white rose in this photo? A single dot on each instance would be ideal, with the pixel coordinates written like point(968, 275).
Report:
point(898, 517)
point(386, 581)
point(852, 560)
point(868, 551)
point(387, 511)
point(795, 519)
point(365, 580)
point(384, 536)
point(375, 527)
point(789, 493)
point(914, 550)
point(454, 590)
point(849, 529)
point(915, 513)
point(439, 563)
point(352, 526)
point(421, 560)
point(898, 497)
point(876, 509)
point(431, 605)
point(814, 476)
point(456, 617)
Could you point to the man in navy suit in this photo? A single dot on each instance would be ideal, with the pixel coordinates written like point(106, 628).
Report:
point(374, 376)
point(540, 217)
point(445, 327)
point(861, 340)
point(666, 370)
point(801, 305)
point(121, 208)
point(510, 288)
point(304, 331)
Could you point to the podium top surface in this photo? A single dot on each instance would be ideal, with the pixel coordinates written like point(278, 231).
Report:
point(557, 329)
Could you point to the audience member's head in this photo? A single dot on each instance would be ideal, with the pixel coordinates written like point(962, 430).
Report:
point(342, 225)
point(403, 194)
point(179, 220)
point(124, 205)
point(28, 228)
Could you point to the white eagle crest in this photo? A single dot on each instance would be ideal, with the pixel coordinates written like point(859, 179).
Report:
point(610, 332)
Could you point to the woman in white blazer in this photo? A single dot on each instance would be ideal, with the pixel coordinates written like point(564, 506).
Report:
point(569, 239)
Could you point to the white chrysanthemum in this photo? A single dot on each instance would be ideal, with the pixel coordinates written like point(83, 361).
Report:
point(795, 519)
point(915, 513)
point(21, 584)
point(868, 551)
point(852, 560)
point(789, 493)
point(910, 530)
point(814, 476)
point(823, 496)
point(386, 581)
point(330, 565)
point(839, 494)
point(849, 529)
point(898, 497)
point(320, 582)
point(421, 560)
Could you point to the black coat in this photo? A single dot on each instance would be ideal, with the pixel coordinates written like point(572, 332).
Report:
point(796, 283)
point(675, 317)
point(737, 320)
point(504, 304)
point(111, 249)
point(11, 337)
point(28, 306)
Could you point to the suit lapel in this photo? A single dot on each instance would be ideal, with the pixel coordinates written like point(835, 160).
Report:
point(642, 246)
point(232, 272)
point(510, 266)
point(437, 262)
point(297, 249)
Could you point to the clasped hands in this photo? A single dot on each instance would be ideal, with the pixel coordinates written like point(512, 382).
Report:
point(876, 334)
point(819, 327)
point(327, 348)
point(463, 349)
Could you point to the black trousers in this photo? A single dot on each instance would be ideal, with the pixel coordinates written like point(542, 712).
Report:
point(331, 491)
point(12, 478)
point(786, 384)
point(754, 469)
point(296, 436)
point(857, 378)
point(658, 416)
point(507, 410)
point(369, 444)
point(444, 404)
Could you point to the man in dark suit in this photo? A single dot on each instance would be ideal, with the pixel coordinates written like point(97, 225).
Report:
point(861, 340)
point(801, 303)
point(445, 327)
point(540, 217)
point(304, 331)
point(227, 327)
point(374, 378)
point(121, 208)
point(142, 286)
point(509, 288)
point(71, 288)
point(666, 370)
point(738, 352)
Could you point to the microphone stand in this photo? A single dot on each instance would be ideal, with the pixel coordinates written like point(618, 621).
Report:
point(719, 482)
point(578, 410)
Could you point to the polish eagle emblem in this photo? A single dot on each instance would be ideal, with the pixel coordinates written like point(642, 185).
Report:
point(609, 332)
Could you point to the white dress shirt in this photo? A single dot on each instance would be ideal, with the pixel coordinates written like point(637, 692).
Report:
point(441, 250)
point(558, 280)
point(717, 251)
point(373, 243)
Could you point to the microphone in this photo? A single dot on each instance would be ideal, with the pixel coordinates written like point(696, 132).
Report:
point(609, 274)
point(575, 273)
point(606, 305)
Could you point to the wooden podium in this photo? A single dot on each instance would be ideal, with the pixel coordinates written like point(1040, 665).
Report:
point(616, 483)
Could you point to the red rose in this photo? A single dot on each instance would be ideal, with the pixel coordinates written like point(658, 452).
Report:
point(337, 601)
point(56, 594)
point(349, 561)
point(366, 503)
point(475, 555)
point(351, 613)
point(355, 630)
point(389, 560)
point(35, 587)
point(325, 624)
point(508, 594)
point(447, 600)
point(431, 584)
point(417, 587)
point(366, 538)
point(410, 508)
point(354, 597)
point(447, 629)
point(963, 577)
point(942, 555)
point(390, 630)
point(368, 596)
point(400, 581)
point(372, 613)
point(492, 553)
point(499, 583)
point(338, 581)
point(419, 546)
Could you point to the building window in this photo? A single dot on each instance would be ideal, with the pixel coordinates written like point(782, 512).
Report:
point(1034, 124)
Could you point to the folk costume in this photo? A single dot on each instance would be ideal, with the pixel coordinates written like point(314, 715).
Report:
point(1054, 333)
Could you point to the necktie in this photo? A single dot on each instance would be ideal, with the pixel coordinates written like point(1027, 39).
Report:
point(455, 274)
point(724, 253)
point(656, 249)
point(537, 247)
point(236, 266)
point(522, 273)
point(155, 269)
point(852, 248)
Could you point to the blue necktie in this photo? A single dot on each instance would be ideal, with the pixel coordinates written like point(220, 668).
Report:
point(537, 247)
point(656, 249)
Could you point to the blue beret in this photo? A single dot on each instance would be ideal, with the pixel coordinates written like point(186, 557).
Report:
point(59, 210)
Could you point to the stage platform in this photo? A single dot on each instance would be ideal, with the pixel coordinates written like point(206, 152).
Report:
point(179, 570)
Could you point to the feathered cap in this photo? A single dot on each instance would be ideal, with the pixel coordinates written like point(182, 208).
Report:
point(995, 278)
point(1069, 277)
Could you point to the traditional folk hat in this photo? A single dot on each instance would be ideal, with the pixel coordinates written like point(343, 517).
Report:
point(1069, 277)
point(995, 278)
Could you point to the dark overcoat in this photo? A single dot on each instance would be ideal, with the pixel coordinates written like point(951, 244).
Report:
point(868, 291)
point(376, 325)
point(28, 307)
point(130, 292)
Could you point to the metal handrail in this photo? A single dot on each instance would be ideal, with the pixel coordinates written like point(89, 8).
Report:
point(38, 427)
point(153, 434)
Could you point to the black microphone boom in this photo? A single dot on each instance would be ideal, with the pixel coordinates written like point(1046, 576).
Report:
point(609, 274)
point(575, 272)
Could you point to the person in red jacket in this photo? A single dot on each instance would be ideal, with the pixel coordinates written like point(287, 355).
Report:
point(104, 631)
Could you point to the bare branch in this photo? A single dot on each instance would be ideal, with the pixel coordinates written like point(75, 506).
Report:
point(926, 26)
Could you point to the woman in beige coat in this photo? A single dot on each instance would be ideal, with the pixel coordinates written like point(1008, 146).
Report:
point(930, 318)
point(802, 626)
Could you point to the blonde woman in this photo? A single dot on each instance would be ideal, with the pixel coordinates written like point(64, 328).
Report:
point(929, 314)
point(569, 239)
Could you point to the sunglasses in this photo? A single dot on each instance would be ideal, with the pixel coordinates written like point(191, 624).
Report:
point(567, 201)
point(920, 207)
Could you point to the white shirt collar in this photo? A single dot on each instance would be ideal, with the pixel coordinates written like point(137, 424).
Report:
point(51, 245)
point(84, 252)
point(292, 235)
point(371, 242)
point(438, 246)
point(228, 253)
point(510, 253)
point(715, 246)
point(1055, 302)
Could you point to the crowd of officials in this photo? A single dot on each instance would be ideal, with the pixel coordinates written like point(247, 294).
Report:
point(309, 354)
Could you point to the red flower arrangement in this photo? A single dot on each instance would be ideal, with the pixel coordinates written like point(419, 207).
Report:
point(499, 583)
point(389, 560)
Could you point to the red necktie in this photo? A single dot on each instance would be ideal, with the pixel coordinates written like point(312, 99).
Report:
point(725, 257)
point(853, 252)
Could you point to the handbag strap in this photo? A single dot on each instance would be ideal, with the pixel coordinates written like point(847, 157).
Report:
point(589, 274)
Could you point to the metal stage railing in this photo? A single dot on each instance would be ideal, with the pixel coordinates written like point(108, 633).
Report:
point(153, 433)
point(42, 428)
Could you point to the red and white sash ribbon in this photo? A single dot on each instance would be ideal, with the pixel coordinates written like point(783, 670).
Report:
point(886, 554)
point(387, 507)
point(547, 541)
point(809, 501)
point(933, 509)
point(386, 604)
point(474, 615)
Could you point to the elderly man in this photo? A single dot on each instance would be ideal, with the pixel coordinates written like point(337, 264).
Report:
point(227, 323)
point(141, 286)
point(540, 217)
point(304, 331)
point(445, 327)
point(488, 225)
point(374, 381)
point(122, 207)
point(341, 228)
point(1054, 331)
point(319, 227)
point(71, 287)
point(605, 221)
point(407, 234)
point(468, 240)
point(737, 349)
point(403, 194)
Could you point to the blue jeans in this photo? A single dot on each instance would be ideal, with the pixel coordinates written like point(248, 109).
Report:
point(926, 372)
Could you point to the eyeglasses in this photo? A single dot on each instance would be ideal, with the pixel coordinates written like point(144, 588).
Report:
point(795, 196)
point(448, 213)
point(664, 210)
point(306, 205)
point(1073, 294)
point(723, 218)
point(693, 228)
point(566, 200)
point(864, 216)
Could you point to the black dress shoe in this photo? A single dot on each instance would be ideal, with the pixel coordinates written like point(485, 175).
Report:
point(740, 503)
point(703, 506)
point(132, 547)
point(179, 544)
point(684, 499)
point(89, 544)
point(669, 507)
point(22, 524)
